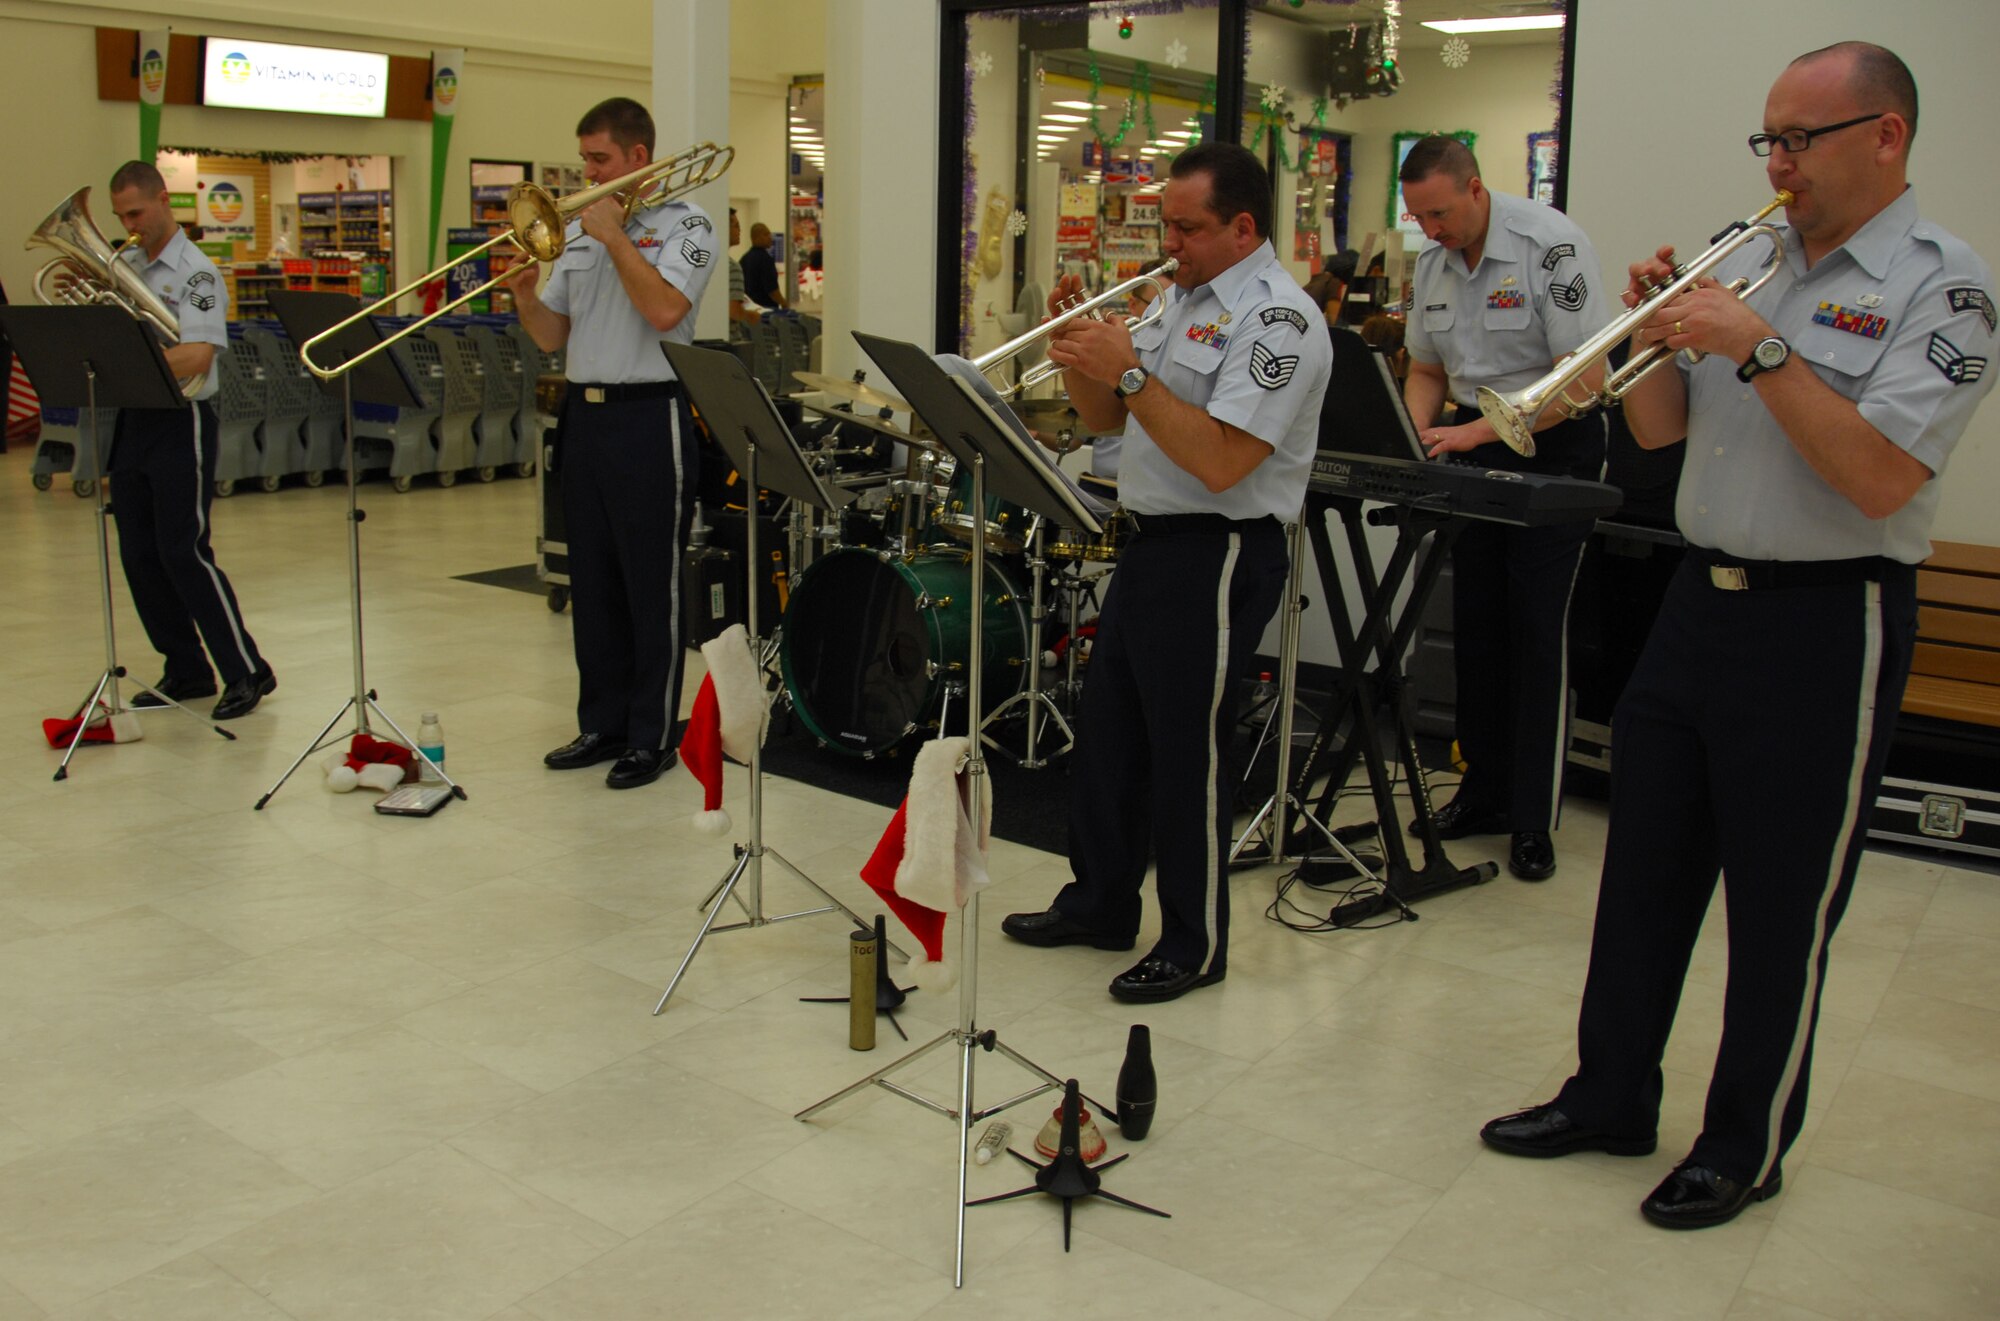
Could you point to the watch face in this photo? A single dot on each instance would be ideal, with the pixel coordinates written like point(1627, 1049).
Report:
point(1772, 352)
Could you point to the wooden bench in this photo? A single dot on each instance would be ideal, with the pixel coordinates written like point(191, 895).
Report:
point(1955, 674)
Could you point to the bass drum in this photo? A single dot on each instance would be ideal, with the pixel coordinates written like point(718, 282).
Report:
point(872, 643)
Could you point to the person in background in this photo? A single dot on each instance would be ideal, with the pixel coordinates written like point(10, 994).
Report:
point(761, 279)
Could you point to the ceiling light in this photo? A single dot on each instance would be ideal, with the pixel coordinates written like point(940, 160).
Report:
point(1524, 23)
point(1078, 105)
point(1066, 119)
point(1180, 133)
point(1053, 142)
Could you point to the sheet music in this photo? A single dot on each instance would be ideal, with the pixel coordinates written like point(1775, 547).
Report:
point(971, 375)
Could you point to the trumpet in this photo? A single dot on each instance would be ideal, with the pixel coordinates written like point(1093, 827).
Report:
point(536, 221)
point(96, 275)
point(1158, 277)
point(1513, 415)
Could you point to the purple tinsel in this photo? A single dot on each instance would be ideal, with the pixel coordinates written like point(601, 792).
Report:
point(1139, 9)
point(968, 208)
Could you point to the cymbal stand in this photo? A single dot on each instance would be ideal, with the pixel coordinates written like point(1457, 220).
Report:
point(748, 871)
point(1034, 697)
point(363, 699)
point(107, 682)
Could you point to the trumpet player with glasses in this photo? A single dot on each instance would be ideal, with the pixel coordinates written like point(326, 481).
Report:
point(1750, 740)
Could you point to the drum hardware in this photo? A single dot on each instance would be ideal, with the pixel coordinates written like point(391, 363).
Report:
point(1514, 415)
point(1037, 702)
point(537, 228)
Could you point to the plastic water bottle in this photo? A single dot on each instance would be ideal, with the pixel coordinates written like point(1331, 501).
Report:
point(430, 742)
point(1264, 693)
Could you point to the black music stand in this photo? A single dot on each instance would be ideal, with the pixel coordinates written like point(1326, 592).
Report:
point(79, 357)
point(999, 450)
point(379, 380)
point(743, 421)
point(1370, 696)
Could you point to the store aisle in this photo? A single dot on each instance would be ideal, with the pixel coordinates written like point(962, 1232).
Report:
point(316, 1063)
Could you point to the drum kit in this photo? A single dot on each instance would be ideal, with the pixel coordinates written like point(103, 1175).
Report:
point(875, 638)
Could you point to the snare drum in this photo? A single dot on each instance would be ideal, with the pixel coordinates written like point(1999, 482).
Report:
point(1006, 523)
point(871, 643)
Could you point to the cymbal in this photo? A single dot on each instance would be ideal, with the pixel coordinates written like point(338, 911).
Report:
point(866, 420)
point(854, 391)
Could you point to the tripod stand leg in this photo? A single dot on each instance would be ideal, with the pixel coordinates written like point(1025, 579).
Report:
point(457, 789)
point(311, 748)
point(76, 741)
point(831, 902)
point(736, 873)
point(876, 1077)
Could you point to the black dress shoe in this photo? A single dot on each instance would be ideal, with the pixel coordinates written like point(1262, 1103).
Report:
point(1157, 979)
point(640, 766)
point(1533, 857)
point(1544, 1131)
point(180, 690)
point(1458, 818)
point(1695, 1197)
point(241, 698)
point(584, 750)
point(1051, 928)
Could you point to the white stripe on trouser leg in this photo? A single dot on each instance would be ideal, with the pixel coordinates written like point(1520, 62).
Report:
point(1864, 735)
point(208, 562)
point(1211, 861)
point(677, 642)
point(1562, 699)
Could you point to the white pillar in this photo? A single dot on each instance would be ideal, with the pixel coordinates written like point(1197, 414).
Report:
point(690, 105)
point(879, 223)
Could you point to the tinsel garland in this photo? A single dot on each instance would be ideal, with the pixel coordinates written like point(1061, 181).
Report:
point(968, 209)
point(237, 153)
point(1141, 98)
point(1143, 8)
point(1562, 59)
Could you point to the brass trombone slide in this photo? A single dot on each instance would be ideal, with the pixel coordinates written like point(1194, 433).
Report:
point(1158, 277)
point(1513, 415)
point(536, 221)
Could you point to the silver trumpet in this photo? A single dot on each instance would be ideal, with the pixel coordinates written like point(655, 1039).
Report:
point(1159, 277)
point(1514, 415)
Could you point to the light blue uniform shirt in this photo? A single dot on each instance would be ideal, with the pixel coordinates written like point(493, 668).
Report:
point(609, 342)
point(1251, 350)
point(189, 283)
point(1900, 320)
point(1533, 299)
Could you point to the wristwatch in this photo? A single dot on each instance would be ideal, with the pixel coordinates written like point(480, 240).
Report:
point(1133, 381)
point(1770, 354)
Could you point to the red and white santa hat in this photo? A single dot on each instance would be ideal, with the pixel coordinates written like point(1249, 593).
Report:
point(932, 858)
point(730, 713)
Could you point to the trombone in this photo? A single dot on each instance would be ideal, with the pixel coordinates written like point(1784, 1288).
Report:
point(1158, 277)
point(536, 220)
point(1513, 415)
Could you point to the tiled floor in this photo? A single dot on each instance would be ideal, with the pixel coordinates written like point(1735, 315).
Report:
point(315, 1063)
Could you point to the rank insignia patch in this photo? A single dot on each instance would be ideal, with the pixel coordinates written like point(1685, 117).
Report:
point(1957, 368)
point(1554, 256)
point(1569, 297)
point(1865, 324)
point(202, 302)
point(1270, 371)
point(1273, 315)
point(697, 256)
point(1968, 298)
point(1504, 300)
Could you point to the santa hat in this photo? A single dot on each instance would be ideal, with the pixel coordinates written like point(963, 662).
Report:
point(370, 763)
point(932, 858)
point(100, 726)
point(729, 716)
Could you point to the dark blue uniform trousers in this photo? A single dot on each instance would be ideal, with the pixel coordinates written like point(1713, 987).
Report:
point(1749, 741)
point(1181, 620)
point(630, 472)
point(163, 479)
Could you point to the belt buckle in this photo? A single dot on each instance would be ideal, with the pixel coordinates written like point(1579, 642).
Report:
point(1728, 577)
point(593, 394)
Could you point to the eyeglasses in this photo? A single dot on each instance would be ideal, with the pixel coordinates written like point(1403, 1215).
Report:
point(1796, 140)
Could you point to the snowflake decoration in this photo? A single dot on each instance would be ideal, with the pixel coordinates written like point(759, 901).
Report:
point(1177, 53)
point(1274, 99)
point(1457, 50)
point(1017, 224)
point(982, 64)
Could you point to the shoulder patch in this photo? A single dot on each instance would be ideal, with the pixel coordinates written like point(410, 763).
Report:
point(1956, 366)
point(1273, 315)
point(1569, 297)
point(697, 222)
point(1270, 371)
point(202, 302)
point(1554, 256)
point(695, 255)
point(1971, 298)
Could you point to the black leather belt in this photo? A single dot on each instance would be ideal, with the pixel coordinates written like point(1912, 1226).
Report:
point(1734, 575)
point(1167, 525)
point(618, 394)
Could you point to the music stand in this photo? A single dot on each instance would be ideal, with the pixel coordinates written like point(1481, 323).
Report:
point(78, 357)
point(743, 421)
point(379, 380)
point(1001, 454)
